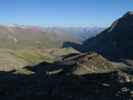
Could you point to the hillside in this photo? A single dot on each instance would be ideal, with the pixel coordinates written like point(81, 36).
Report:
point(116, 42)
point(75, 77)
point(20, 36)
point(17, 36)
point(17, 59)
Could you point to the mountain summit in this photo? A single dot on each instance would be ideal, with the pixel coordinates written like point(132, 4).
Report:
point(129, 13)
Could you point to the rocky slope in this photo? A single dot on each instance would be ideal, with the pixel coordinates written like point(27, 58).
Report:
point(115, 42)
point(75, 77)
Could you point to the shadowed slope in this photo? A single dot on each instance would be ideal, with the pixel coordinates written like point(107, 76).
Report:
point(58, 82)
point(114, 43)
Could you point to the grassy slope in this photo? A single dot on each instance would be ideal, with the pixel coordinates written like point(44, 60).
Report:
point(16, 59)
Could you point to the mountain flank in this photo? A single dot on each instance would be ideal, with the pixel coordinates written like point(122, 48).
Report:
point(115, 42)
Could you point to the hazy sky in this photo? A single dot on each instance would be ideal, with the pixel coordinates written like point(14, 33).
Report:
point(63, 12)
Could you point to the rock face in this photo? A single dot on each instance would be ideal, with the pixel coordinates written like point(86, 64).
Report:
point(115, 42)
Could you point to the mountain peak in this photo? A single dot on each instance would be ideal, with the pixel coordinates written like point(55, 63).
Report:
point(129, 13)
point(123, 24)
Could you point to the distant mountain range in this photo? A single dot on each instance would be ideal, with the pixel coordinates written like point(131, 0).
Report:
point(82, 33)
point(17, 36)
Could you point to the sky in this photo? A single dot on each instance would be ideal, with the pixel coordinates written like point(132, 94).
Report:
point(63, 13)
